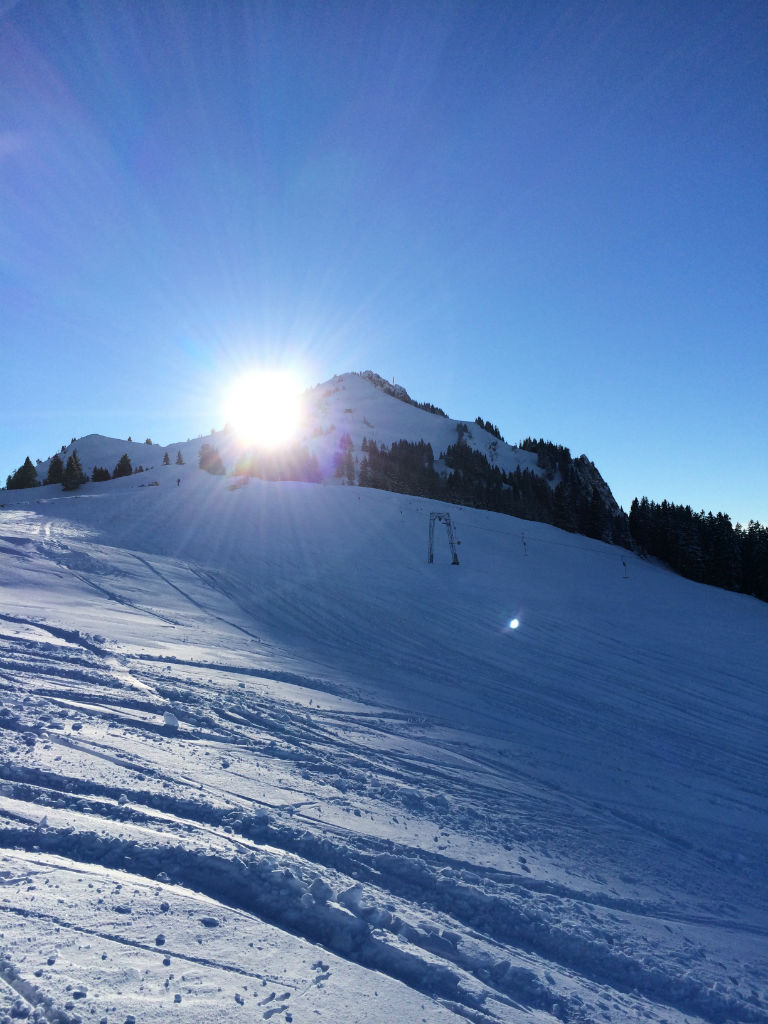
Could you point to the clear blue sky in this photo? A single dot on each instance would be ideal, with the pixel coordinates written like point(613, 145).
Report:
point(553, 215)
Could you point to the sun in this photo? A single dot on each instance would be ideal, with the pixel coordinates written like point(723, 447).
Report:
point(263, 407)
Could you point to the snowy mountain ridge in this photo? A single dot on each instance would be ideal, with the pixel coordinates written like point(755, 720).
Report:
point(346, 413)
point(360, 404)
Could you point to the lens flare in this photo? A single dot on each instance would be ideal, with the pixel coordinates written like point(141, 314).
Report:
point(263, 407)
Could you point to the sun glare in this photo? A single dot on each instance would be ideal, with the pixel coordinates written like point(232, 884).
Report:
point(263, 408)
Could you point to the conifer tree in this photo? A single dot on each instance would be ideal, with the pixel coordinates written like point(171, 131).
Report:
point(25, 476)
point(563, 512)
point(55, 470)
point(73, 475)
point(349, 468)
point(123, 468)
point(179, 458)
point(166, 459)
point(754, 555)
point(596, 518)
point(210, 460)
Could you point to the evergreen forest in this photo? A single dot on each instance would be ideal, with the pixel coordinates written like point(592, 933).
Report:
point(702, 546)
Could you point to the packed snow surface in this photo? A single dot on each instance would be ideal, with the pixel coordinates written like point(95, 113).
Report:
point(261, 761)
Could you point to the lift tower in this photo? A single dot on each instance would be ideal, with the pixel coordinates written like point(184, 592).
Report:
point(442, 517)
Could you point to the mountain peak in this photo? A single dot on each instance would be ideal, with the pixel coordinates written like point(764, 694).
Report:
point(396, 390)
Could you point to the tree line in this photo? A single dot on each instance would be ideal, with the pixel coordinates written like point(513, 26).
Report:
point(295, 462)
point(71, 474)
point(702, 546)
point(409, 467)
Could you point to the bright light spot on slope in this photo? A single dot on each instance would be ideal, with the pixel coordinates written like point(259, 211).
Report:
point(263, 407)
point(514, 623)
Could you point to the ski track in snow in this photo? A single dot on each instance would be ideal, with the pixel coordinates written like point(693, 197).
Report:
point(319, 780)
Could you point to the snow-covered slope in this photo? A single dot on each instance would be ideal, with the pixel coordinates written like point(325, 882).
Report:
point(352, 403)
point(105, 452)
point(261, 759)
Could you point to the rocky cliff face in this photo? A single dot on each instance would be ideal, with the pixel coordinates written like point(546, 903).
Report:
point(395, 390)
point(590, 480)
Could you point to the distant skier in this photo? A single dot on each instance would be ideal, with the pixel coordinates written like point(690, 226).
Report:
point(178, 482)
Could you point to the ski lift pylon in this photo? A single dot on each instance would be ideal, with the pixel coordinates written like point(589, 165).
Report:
point(442, 517)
